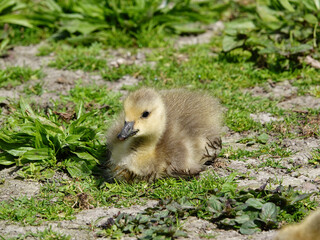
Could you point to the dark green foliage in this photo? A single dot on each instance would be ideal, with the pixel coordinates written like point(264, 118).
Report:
point(41, 144)
point(248, 211)
point(153, 223)
point(130, 22)
point(276, 32)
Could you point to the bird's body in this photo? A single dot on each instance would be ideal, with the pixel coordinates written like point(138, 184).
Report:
point(164, 133)
point(309, 229)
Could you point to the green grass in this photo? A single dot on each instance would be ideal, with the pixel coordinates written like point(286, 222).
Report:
point(87, 59)
point(47, 234)
point(315, 160)
point(69, 135)
point(13, 76)
point(35, 89)
point(206, 198)
point(24, 210)
point(115, 73)
point(272, 149)
point(116, 23)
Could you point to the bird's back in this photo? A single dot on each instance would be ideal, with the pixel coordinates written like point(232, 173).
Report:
point(193, 121)
point(192, 112)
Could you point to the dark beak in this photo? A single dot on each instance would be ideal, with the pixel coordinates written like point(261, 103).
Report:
point(127, 131)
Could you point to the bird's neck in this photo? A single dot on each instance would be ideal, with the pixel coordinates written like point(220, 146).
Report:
point(145, 142)
point(149, 141)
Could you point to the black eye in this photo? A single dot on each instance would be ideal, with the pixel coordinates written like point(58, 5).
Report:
point(145, 114)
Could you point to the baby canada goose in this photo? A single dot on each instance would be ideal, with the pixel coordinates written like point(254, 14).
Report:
point(164, 133)
point(309, 229)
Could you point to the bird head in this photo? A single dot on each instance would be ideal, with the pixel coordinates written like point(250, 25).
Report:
point(144, 115)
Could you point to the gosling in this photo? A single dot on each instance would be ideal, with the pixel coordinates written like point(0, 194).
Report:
point(164, 133)
point(309, 229)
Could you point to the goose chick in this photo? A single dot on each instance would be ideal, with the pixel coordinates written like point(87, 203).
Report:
point(164, 133)
point(309, 229)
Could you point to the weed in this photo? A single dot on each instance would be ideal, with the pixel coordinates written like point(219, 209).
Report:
point(273, 35)
point(315, 160)
point(24, 210)
point(142, 23)
point(271, 163)
point(13, 76)
point(36, 89)
point(46, 49)
point(39, 144)
point(79, 58)
point(247, 210)
point(47, 234)
point(115, 73)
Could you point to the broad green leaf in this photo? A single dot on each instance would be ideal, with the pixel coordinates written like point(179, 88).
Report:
point(78, 169)
point(172, 207)
point(37, 154)
point(240, 24)
point(5, 4)
point(180, 233)
point(301, 197)
point(143, 218)
point(15, 19)
point(6, 159)
point(268, 17)
point(162, 214)
point(249, 227)
point(5, 140)
point(242, 219)
point(19, 151)
point(229, 43)
point(269, 212)
point(286, 4)
point(263, 138)
point(312, 5)
point(75, 124)
point(82, 26)
point(302, 48)
point(47, 173)
point(86, 156)
point(255, 203)
point(80, 110)
point(215, 204)
point(188, 28)
point(52, 5)
point(73, 139)
point(228, 222)
point(40, 136)
point(129, 228)
point(49, 125)
point(310, 18)
point(25, 107)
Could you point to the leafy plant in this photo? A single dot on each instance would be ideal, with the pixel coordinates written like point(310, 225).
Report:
point(248, 211)
point(129, 22)
point(276, 32)
point(153, 223)
point(10, 13)
point(41, 145)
